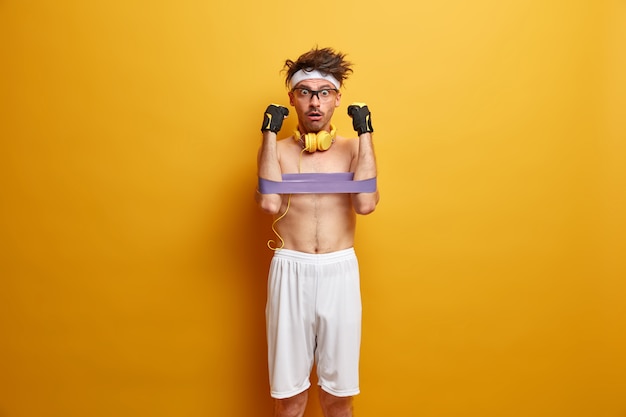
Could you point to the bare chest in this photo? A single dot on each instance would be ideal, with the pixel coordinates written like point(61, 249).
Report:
point(336, 159)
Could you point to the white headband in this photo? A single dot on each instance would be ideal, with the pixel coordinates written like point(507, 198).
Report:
point(302, 75)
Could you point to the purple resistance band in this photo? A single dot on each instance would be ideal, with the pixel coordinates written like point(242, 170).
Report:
point(317, 183)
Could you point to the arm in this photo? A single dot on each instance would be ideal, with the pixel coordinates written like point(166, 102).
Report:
point(365, 164)
point(365, 168)
point(268, 163)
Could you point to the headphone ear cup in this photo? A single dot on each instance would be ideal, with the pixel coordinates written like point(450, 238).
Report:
point(310, 142)
point(313, 142)
point(324, 140)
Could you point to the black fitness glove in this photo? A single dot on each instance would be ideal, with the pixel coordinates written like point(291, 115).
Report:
point(361, 118)
point(273, 118)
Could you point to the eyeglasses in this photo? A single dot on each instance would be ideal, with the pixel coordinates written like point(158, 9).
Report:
point(322, 95)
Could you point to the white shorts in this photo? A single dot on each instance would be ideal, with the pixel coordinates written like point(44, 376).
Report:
point(313, 313)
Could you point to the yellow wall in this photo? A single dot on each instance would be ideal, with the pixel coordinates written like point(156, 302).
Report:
point(133, 259)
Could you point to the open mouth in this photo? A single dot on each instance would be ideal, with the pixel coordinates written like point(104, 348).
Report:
point(314, 115)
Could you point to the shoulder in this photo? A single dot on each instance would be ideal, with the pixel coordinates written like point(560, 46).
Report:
point(286, 144)
point(284, 141)
point(287, 149)
point(346, 144)
point(345, 141)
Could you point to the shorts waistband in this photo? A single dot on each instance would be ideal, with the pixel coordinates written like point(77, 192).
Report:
point(315, 258)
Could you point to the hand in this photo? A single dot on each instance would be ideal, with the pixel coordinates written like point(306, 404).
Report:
point(361, 118)
point(273, 118)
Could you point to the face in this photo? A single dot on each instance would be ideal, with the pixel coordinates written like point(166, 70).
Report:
point(314, 109)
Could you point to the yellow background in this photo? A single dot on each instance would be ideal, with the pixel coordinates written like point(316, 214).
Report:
point(133, 258)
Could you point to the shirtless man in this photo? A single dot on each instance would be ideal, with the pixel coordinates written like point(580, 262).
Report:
point(314, 304)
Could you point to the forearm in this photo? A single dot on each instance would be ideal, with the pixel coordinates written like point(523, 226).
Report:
point(268, 167)
point(365, 168)
point(268, 163)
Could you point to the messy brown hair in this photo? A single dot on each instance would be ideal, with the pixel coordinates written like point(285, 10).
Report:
point(325, 60)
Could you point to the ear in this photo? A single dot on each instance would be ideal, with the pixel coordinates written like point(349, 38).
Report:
point(291, 99)
point(338, 99)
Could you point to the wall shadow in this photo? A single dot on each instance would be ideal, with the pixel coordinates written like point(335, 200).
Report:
point(248, 238)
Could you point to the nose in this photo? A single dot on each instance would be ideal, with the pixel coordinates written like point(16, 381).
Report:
point(315, 94)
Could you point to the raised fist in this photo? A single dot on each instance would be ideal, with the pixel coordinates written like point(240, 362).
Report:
point(361, 118)
point(273, 118)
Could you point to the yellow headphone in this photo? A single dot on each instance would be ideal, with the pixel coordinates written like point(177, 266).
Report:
point(319, 141)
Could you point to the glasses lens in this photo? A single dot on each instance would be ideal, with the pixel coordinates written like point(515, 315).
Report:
point(322, 95)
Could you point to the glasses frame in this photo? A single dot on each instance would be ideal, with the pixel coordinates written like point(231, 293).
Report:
point(314, 93)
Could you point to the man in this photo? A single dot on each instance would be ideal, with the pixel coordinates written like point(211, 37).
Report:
point(314, 304)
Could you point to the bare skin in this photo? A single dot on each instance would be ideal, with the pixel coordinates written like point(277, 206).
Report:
point(316, 223)
point(332, 406)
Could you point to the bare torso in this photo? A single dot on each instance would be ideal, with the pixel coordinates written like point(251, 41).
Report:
point(317, 223)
